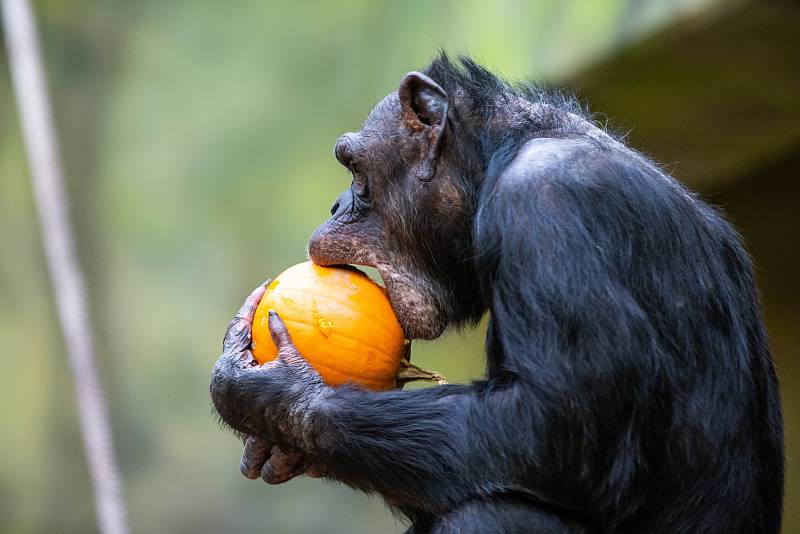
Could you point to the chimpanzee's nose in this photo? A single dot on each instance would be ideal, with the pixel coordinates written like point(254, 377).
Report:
point(335, 207)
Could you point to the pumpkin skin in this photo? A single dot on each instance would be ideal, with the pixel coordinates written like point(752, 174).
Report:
point(339, 320)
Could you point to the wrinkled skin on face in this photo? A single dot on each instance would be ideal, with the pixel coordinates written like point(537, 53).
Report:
point(405, 208)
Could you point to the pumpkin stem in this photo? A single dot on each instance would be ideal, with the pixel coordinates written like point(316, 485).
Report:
point(409, 372)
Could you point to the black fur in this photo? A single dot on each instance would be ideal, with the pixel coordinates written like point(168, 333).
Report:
point(629, 386)
point(630, 382)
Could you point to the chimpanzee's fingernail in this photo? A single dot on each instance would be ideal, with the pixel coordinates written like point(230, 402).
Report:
point(272, 313)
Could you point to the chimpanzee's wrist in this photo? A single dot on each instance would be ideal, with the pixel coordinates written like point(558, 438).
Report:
point(304, 416)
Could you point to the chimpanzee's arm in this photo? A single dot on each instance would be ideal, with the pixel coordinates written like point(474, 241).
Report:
point(573, 357)
point(424, 450)
point(413, 447)
point(575, 366)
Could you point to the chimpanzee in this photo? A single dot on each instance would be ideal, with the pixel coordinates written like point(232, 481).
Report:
point(629, 384)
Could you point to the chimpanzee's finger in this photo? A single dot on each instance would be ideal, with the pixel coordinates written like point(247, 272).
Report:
point(280, 335)
point(248, 309)
point(237, 337)
point(282, 466)
point(256, 453)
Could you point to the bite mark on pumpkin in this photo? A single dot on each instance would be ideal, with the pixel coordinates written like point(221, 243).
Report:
point(324, 325)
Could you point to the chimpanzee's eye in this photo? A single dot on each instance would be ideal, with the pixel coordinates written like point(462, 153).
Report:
point(360, 184)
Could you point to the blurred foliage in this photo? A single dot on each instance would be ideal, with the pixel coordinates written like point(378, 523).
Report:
point(197, 140)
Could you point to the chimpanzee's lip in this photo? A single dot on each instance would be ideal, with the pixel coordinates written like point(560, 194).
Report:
point(395, 284)
point(385, 278)
point(354, 266)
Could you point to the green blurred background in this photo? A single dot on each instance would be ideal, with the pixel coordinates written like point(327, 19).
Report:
point(197, 138)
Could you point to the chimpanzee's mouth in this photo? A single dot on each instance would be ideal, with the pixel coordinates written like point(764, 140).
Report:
point(414, 302)
point(414, 297)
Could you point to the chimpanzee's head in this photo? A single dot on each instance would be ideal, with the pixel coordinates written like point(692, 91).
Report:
point(410, 207)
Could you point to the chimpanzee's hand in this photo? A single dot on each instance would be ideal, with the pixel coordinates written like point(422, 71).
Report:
point(271, 404)
point(273, 465)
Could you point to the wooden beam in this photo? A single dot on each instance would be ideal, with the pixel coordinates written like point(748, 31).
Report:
point(713, 97)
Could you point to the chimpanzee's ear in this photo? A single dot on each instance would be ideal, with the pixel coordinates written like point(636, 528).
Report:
point(423, 103)
point(424, 111)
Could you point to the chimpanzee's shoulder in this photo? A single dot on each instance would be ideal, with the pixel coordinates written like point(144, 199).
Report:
point(568, 161)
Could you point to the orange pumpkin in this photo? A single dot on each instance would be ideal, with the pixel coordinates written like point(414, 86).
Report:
point(339, 320)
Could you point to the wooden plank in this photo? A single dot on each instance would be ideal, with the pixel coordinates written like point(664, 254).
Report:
point(714, 96)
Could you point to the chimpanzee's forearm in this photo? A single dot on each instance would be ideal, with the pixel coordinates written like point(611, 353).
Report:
point(422, 449)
